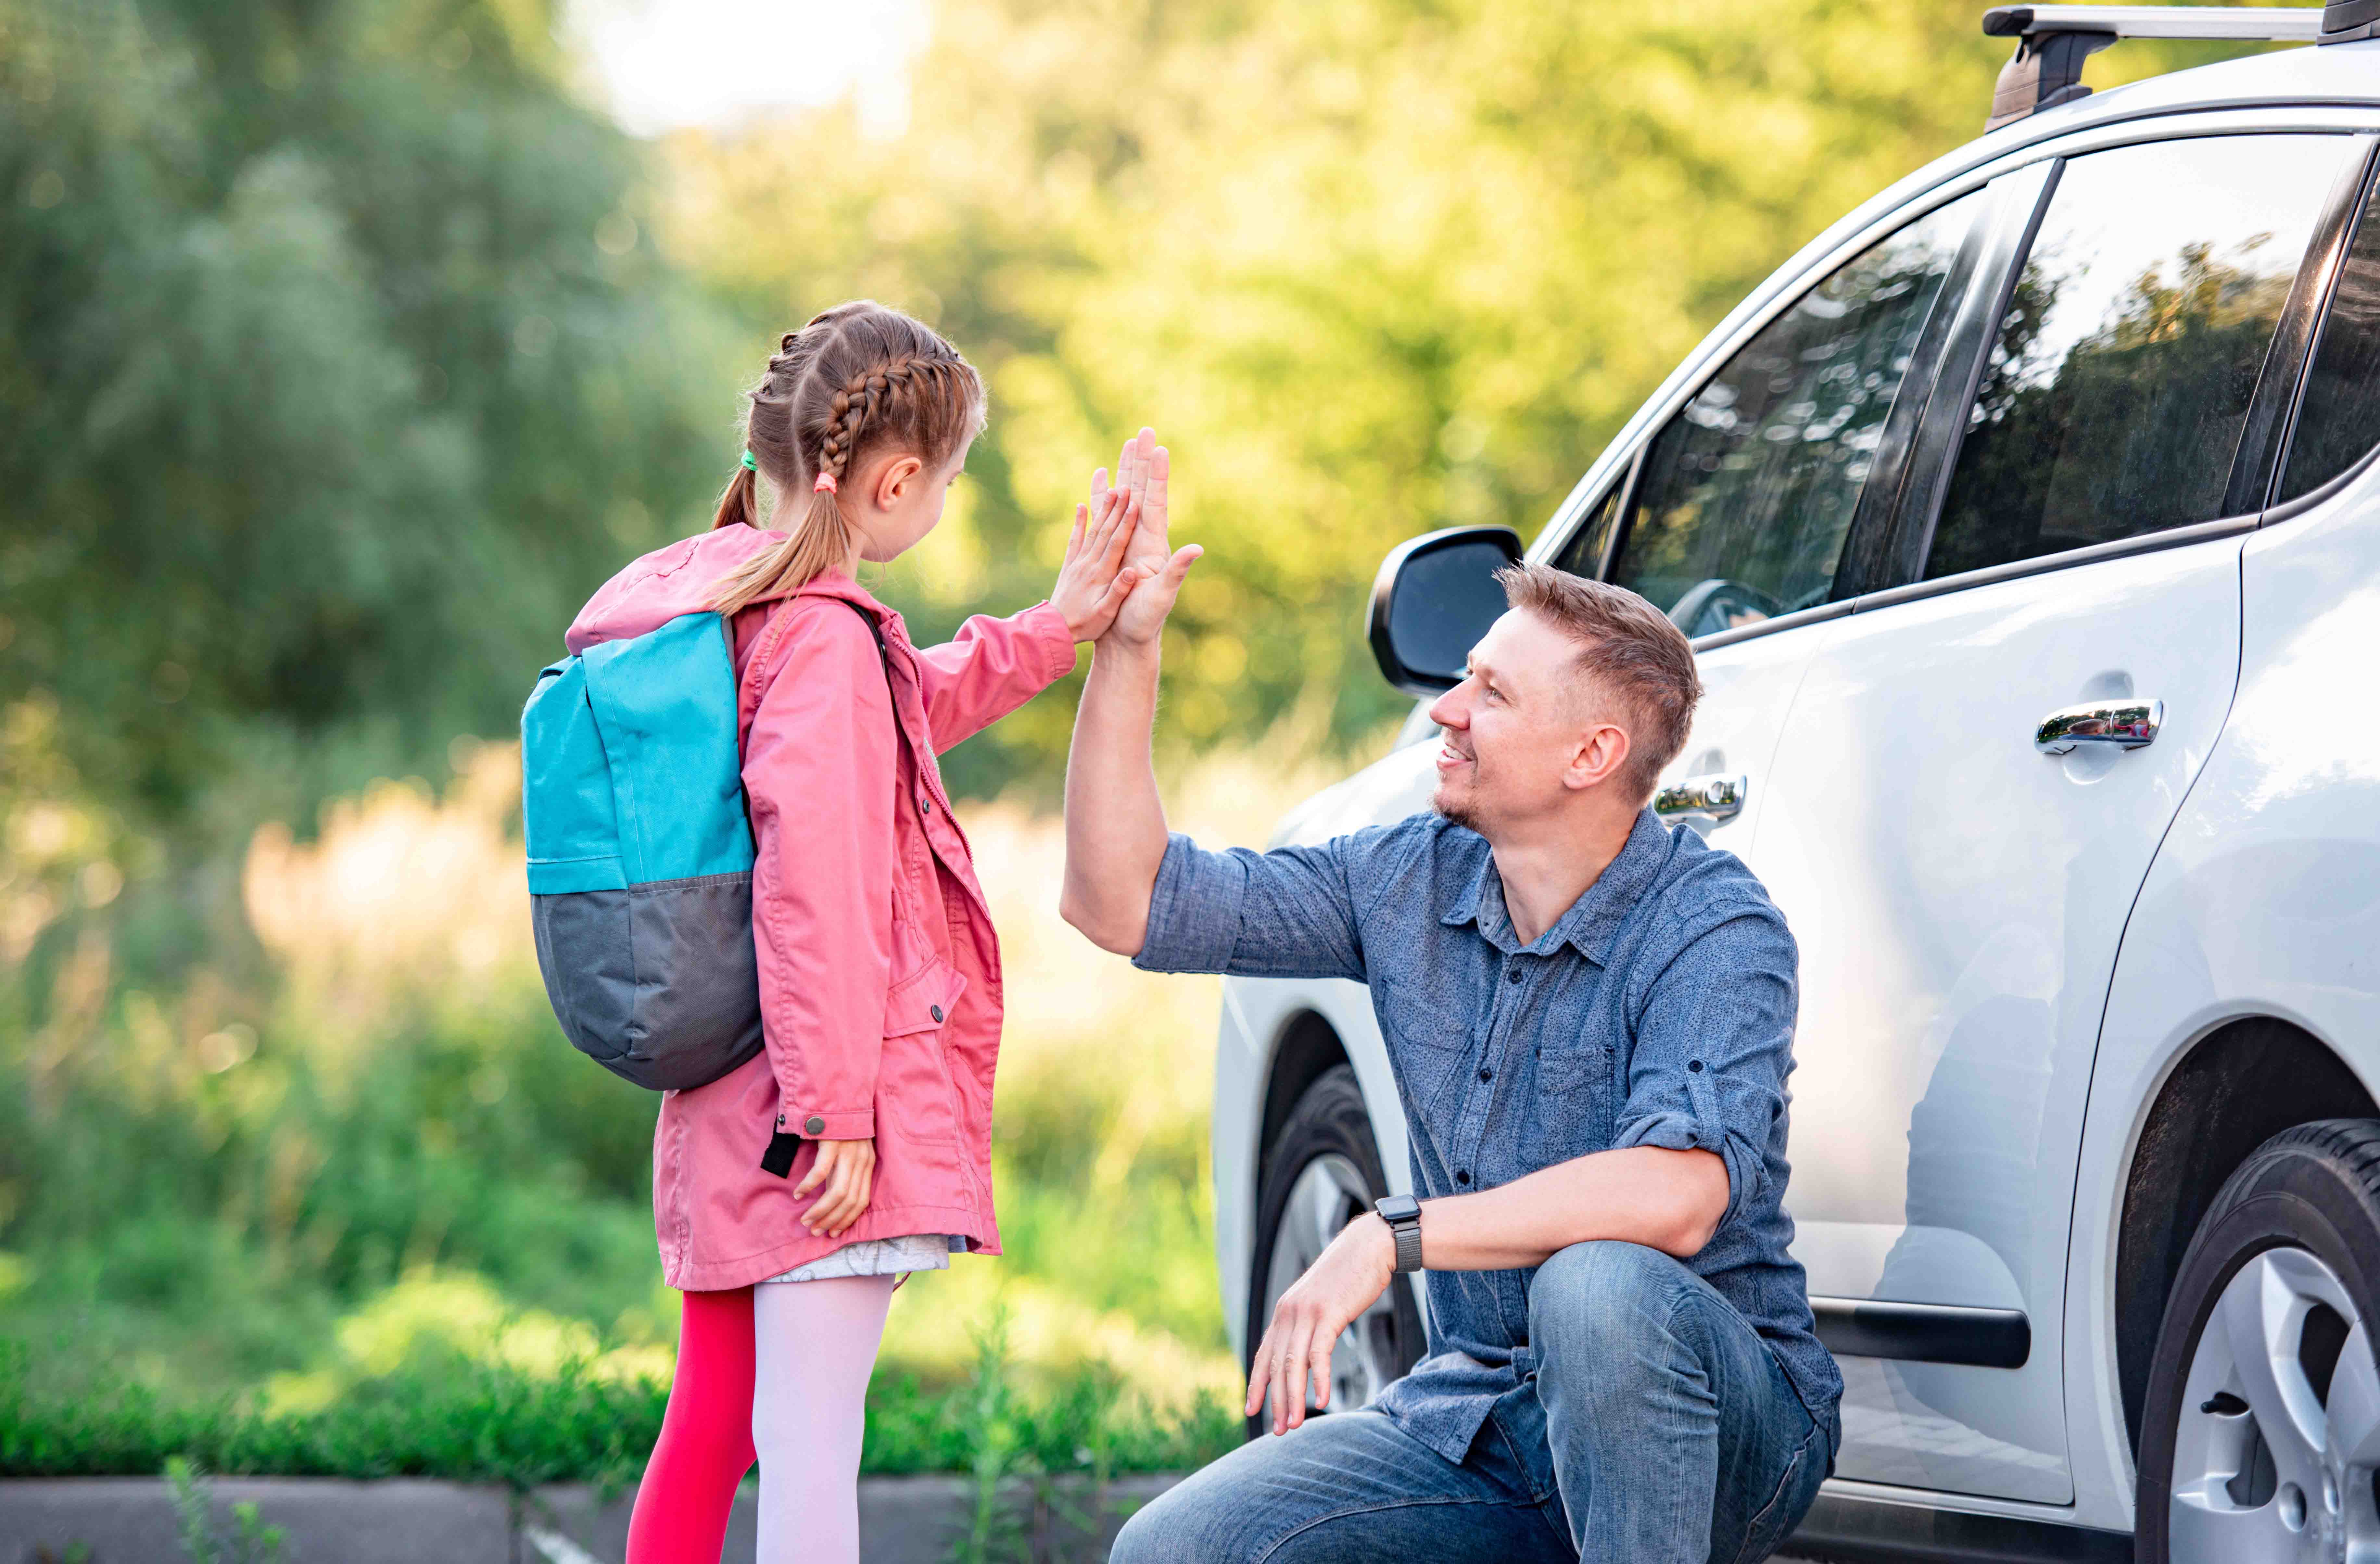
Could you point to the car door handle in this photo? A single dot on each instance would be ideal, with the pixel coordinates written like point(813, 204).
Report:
point(2124, 724)
point(1718, 795)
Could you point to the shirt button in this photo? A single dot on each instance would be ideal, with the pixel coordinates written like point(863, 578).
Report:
point(1462, 1176)
point(937, 1010)
point(816, 1125)
point(1694, 1066)
point(1487, 1074)
point(1512, 975)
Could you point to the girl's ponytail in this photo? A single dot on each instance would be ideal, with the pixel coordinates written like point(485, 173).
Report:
point(740, 501)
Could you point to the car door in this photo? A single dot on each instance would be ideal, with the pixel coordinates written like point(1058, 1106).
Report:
point(1742, 515)
point(1958, 893)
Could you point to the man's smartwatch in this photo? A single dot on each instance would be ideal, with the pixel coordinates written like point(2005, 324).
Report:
point(1403, 1213)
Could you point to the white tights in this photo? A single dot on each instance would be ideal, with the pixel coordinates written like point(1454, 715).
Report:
point(814, 1346)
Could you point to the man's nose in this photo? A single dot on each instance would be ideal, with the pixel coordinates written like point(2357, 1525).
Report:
point(1447, 711)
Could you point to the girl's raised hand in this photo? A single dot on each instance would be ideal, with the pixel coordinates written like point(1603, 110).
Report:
point(1092, 582)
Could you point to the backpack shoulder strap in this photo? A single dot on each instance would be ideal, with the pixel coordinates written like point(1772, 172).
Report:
point(883, 653)
point(875, 632)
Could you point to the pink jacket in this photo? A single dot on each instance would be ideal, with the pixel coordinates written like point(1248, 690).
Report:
point(880, 974)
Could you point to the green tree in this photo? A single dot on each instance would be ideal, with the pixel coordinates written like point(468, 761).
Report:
point(332, 370)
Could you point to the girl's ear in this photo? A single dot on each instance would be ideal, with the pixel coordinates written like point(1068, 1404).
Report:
point(899, 475)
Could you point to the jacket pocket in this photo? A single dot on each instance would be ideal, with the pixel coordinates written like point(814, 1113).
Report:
point(916, 1100)
point(922, 1000)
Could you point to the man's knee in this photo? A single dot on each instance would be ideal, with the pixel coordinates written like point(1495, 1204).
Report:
point(1592, 1302)
point(1148, 1538)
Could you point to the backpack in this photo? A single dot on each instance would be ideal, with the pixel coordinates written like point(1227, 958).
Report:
point(640, 851)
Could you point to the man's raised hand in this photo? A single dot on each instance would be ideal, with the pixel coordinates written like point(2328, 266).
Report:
point(1158, 570)
point(1141, 465)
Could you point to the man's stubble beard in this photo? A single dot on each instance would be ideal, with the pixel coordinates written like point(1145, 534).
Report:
point(1462, 808)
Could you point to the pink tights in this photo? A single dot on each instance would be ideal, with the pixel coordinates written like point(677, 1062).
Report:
point(778, 1371)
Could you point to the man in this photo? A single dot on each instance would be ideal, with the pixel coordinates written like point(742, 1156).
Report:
point(1590, 1021)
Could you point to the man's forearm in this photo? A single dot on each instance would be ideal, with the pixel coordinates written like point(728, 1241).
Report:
point(1666, 1200)
point(1115, 823)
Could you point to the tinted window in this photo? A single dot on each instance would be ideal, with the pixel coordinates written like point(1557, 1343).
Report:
point(2123, 368)
point(2340, 417)
point(1748, 491)
point(1584, 553)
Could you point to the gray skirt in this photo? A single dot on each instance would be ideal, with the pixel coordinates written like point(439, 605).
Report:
point(879, 1256)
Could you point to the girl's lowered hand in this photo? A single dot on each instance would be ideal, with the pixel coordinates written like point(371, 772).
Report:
point(847, 1169)
point(1092, 582)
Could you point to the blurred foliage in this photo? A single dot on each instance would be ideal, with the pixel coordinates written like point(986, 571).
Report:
point(332, 367)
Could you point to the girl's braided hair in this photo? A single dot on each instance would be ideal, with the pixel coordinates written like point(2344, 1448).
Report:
point(858, 379)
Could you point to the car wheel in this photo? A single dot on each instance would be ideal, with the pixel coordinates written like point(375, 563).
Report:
point(1324, 1171)
point(2263, 1425)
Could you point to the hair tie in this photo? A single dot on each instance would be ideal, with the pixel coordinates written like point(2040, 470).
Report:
point(825, 484)
point(749, 464)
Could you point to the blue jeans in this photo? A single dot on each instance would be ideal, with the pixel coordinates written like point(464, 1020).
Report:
point(1660, 1429)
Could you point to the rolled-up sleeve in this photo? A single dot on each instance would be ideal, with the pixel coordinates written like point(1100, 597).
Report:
point(1289, 913)
point(1714, 1044)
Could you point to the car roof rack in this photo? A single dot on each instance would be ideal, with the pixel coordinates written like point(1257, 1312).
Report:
point(2054, 41)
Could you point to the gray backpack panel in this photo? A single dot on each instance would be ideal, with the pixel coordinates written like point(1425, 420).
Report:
point(657, 983)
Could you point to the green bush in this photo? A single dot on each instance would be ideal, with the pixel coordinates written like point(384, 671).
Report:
point(495, 1425)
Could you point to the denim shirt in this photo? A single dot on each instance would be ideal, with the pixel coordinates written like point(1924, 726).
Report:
point(1657, 1011)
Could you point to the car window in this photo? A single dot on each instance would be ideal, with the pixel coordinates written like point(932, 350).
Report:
point(1748, 491)
point(2339, 418)
point(1583, 555)
point(2129, 352)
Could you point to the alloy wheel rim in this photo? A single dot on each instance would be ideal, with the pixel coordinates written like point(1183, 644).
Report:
point(2279, 1430)
point(1329, 1192)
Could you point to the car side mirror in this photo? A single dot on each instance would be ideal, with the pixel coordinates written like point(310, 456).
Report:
point(1435, 597)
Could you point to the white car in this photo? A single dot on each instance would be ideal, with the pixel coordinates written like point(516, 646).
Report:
point(2027, 528)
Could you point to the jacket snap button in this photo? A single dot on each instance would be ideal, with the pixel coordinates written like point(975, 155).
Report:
point(937, 1010)
point(1513, 975)
point(816, 1125)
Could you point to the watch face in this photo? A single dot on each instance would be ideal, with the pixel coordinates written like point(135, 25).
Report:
point(1398, 1208)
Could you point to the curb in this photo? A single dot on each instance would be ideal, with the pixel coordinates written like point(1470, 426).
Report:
point(923, 1519)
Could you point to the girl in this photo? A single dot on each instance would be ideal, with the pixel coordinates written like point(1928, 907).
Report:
point(791, 1194)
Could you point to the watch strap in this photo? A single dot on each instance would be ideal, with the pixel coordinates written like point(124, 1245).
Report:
point(1405, 1228)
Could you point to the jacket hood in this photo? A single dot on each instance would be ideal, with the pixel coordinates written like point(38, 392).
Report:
point(680, 579)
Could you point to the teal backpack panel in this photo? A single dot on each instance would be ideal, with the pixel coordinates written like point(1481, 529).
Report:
point(629, 770)
point(665, 705)
point(566, 812)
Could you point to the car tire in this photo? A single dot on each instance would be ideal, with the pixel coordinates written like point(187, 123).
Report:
point(2262, 1429)
point(1323, 1171)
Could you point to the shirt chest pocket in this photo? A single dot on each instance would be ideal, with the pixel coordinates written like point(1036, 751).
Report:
point(1568, 1066)
point(1571, 1108)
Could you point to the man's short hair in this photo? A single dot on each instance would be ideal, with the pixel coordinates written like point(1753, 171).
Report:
point(1630, 650)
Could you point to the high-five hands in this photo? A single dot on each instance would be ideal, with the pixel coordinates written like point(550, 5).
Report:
point(1157, 569)
point(1294, 1356)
